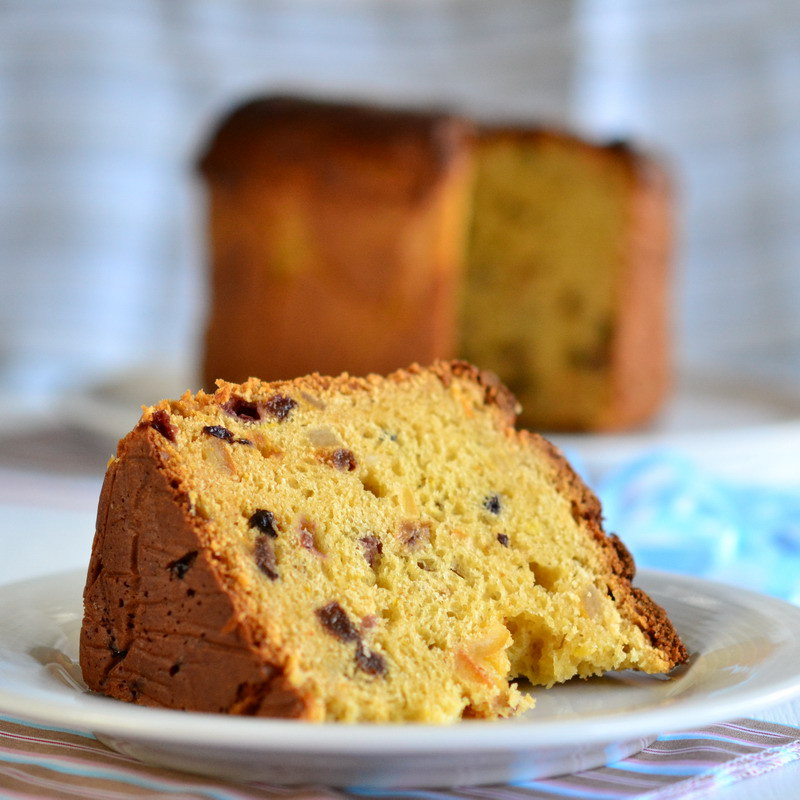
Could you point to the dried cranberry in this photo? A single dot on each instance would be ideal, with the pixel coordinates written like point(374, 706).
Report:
point(335, 620)
point(161, 422)
point(264, 521)
point(180, 566)
point(279, 406)
point(219, 432)
point(265, 557)
point(243, 409)
point(308, 536)
point(343, 460)
point(369, 662)
point(373, 549)
point(414, 534)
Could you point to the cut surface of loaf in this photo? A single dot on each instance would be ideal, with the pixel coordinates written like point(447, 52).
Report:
point(567, 289)
point(354, 549)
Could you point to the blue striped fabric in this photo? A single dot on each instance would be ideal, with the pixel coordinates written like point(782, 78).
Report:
point(47, 762)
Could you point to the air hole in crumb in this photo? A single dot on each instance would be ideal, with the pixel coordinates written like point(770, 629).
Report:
point(174, 670)
point(243, 409)
point(373, 485)
point(545, 576)
point(180, 566)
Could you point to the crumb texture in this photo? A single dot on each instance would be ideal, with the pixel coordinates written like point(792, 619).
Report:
point(354, 549)
point(571, 240)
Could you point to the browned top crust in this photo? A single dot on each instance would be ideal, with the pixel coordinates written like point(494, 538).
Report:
point(292, 123)
point(633, 603)
point(145, 609)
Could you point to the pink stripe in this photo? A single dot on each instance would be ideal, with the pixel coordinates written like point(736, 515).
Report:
point(100, 749)
point(64, 788)
point(108, 771)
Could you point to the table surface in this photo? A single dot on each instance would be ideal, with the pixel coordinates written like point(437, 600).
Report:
point(49, 483)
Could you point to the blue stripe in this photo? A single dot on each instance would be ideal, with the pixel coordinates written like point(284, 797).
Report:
point(564, 791)
point(28, 724)
point(664, 769)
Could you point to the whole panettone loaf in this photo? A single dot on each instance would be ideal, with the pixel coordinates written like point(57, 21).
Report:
point(336, 237)
point(355, 549)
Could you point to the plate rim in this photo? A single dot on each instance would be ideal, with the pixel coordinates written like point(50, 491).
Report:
point(95, 714)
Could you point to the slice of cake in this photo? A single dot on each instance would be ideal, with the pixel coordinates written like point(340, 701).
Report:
point(567, 291)
point(355, 549)
point(336, 235)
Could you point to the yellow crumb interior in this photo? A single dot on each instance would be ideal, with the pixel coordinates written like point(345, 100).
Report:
point(440, 537)
point(545, 259)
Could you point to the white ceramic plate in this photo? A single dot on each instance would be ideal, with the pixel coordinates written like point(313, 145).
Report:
point(745, 648)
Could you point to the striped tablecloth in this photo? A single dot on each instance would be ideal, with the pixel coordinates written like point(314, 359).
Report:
point(40, 762)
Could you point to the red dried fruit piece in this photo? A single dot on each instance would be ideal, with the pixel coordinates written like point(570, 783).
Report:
point(265, 557)
point(341, 459)
point(335, 620)
point(161, 422)
point(180, 566)
point(373, 549)
point(369, 662)
point(243, 409)
point(414, 534)
point(279, 406)
point(264, 521)
point(308, 536)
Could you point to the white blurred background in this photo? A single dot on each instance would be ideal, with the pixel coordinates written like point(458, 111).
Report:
point(105, 106)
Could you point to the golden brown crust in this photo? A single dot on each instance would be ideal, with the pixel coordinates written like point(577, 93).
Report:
point(634, 604)
point(159, 629)
point(293, 290)
point(367, 130)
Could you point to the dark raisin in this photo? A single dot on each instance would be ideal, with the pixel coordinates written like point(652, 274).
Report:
point(335, 620)
point(180, 566)
point(343, 460)
point(265, 557)
point(279, 406)
point(264, 521)
point(492, 504)
point(369, 662)
point(219, 432)
point(503, 539)
point(243, 409)
point(160, 421)
point(243, 441)
point(373, 549)
point(414, 534)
